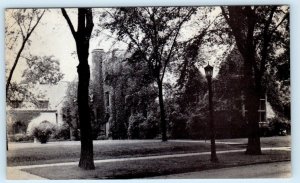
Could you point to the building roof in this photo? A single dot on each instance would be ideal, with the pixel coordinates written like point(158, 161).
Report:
point(54, 94)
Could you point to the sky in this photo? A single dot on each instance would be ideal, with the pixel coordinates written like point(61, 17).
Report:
point(52, 36)
point(295, 65)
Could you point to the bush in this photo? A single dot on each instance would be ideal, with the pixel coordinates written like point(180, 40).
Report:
point(279, 126)
point(43, 131)
point(178, 126)
point(102, 137)
point(149, 129)
point(62, 132)
point(75, 134)
point(20, 138)
point(134, 125)
point(197, 127)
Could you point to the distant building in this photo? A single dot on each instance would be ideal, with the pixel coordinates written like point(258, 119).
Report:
point(23, 112)
point(230, 99)
point(107, 99)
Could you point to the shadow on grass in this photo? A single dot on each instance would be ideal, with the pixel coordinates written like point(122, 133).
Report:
point(58, 154)
point(157, 167)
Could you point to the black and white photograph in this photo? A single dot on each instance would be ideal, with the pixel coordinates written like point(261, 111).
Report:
point(148, 92)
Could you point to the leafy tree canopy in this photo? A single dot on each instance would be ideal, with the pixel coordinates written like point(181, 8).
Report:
point(42, 70)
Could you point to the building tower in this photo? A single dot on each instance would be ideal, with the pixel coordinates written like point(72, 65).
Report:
point(98, 90)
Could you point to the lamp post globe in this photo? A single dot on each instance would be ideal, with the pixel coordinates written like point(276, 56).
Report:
point(208, 71)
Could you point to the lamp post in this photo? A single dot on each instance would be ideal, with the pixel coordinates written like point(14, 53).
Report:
point(209, 72)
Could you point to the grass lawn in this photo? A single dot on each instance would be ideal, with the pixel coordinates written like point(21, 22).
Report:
point(157, 167)
point(29, 153)
point(276, 141)
point(48, 153)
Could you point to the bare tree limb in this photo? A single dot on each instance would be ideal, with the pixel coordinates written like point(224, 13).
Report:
point(174, 40)
point(69, 22)
point(25, 39)
point(282, 20)
point(37, 22)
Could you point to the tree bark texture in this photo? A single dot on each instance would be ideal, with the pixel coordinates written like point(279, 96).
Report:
point(252, 94)
point(82, 38)
point(86, 154)
point(242, 21)
point(162, 112)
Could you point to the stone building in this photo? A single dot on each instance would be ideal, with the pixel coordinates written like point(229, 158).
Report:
point(23, 113)
point(230, 106)
point(108, 91)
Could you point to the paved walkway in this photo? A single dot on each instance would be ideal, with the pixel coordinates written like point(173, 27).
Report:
point(13, 173)
point(17, 173)
point(265, 170)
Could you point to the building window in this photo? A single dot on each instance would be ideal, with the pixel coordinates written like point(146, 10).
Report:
point(262, 117)
point(107, 99)
point(43, 104)
point(16, 103)
point(262, 110)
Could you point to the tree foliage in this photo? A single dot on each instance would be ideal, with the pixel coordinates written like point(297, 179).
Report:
point(42, 70)
point(70, 109)
point(152, 34)
point(131, 91)
point(19, 27)
point(39, 70)
point(256, 30)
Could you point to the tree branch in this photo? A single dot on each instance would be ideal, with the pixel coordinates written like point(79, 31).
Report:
point(19, 53)
point(37, 22)
point(285, 17)
point(22, 32)
point(266, 40)
point(69, 22)
point(174, 40)
point(89, 20)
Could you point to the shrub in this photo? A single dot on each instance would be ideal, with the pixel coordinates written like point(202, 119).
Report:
point(178, 125)
point(134, 125)
point(102, 137)
point(149, 129)
point(75, 134)
point(62, 132)
point(43, 131)
point(197, 127)
point(20, 138)
point(279, 126)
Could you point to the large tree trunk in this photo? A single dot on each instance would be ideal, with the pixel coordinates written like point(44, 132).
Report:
point(82, 38)
point(163, 121)
point(252, 104)
point(252, 95)
point(86, 154)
